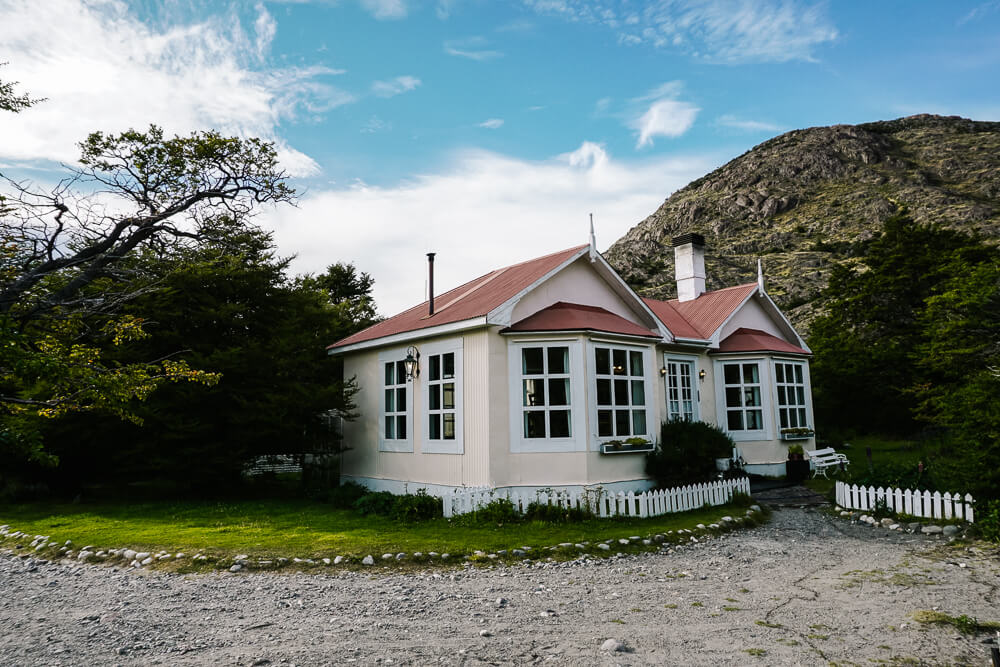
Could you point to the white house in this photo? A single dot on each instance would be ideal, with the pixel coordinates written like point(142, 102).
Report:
point(521, 378)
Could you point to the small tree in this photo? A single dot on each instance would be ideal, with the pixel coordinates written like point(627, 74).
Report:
point(687, 452)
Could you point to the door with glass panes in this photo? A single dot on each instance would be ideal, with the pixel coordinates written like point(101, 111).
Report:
point(680, 390)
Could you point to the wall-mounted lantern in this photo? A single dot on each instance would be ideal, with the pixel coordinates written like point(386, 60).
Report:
point(701, 375)
point(412, 362)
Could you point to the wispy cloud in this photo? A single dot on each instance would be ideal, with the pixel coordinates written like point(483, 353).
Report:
point(375, 124)
point(979, 12)
point(520, 208)
point(90, 59)
point(746, 125)
point(661, 114)
point(397, 86)
point(721, 31)
point(492, 123)
point(386, 9)
point(473, 48)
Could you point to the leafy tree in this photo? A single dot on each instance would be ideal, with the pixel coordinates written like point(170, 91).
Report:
point(10, 100)
point(864, 346)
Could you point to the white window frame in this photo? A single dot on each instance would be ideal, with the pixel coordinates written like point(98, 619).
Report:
point(395, 444)
point(806, 388)
point(692, 362)
point(652, 425)
point(578, 424)
point(767, 398)
point(442, 446)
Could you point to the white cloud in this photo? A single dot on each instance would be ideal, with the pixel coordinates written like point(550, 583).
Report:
point(722, 31)
point(375, 124)
point(663, 117)
point(385, 9)
point(492, 123)
point(483, 211)
point(103, 69)
point(397, 86)
point(472, 48)
point(746, 125)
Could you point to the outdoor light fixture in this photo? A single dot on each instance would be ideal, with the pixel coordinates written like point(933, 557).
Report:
point(701, 374)
point(411, 362)
point(663, 371)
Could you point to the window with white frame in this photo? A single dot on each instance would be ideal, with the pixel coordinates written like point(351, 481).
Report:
point(680, 388)
point(442, 398)
point(620, 392)
point(743, 396)
point(791, 389)
point(545, 391)
point(394, 426)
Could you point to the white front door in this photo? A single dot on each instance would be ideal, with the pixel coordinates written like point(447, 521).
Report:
point(680, 389)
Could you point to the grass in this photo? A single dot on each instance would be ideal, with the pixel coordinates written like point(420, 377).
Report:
point(885, 451)
point(964, 624)
point(307, 529)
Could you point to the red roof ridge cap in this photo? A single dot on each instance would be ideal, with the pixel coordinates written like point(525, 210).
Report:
point(551, 254)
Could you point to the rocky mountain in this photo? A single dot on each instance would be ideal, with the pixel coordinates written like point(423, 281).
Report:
point(804, 200)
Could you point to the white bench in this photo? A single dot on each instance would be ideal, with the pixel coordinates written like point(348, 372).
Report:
point(826, 458)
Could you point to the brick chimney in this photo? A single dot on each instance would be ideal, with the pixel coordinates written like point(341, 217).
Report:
point(689, 265)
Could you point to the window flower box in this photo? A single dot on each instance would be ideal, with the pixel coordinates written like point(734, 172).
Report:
point(797, 433)
point(630, 446)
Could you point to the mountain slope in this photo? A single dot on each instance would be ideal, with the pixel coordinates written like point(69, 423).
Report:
point(804, 200)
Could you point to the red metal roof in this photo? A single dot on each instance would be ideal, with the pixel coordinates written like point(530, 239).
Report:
point(475, 298)
point(755, 340)
point(562, 316)
point(700, 317)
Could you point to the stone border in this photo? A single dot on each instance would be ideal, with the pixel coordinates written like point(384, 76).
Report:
point(42, 546)
point(951, 531)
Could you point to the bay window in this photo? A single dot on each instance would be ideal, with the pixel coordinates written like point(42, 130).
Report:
point(791, 389)
point(546, 396)
point(620, 392)
point(743, 396)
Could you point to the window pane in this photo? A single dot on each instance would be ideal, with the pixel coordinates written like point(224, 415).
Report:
point(602, 358)
point(534, 392)
point(732, 372)
point(390, 428)
point(800, 393)
point(793, 420)
point(401, 428)
point(735, 418)
point(449, 425)
point(635, 363)
point(448, 363)
point(448, 396)
point(559, 392)
point(755, 420)
point(559, 423)
point(781, 396)
point(802, 416)
point(390, 403)
point(558, 360)
point(751, 396)
point(779, 372)
point(619, 358)
point(622, 422)
point(434, 430)
point(798, 374)
point(434, 397)
point(434, 368)
point(534, 424)
point(401, 399)
point(389, 374)
point(733, 397)
point(638, 392)
point(531, 361)
point(750, 374)
point(400, 372)
point(639, 422)
point(604, 426)
point(621, 392)
point(604, 392)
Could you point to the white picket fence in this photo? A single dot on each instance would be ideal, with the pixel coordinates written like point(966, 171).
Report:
point(916, 503)
point(603, 503)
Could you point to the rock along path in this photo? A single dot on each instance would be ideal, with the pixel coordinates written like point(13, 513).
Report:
point(804, 589)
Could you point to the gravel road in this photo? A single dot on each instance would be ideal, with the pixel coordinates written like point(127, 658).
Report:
point(803, 589)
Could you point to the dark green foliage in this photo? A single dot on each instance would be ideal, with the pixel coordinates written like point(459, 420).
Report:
point(417, 506)
point(686, 453)
point(375, 502)
point(898, 476)
point(499, 511)
point(741, 499)
point(345, 495)
point(988, 520)
point(554, 514)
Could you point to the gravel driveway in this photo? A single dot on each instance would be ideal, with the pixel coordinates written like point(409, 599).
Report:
point(804, 589)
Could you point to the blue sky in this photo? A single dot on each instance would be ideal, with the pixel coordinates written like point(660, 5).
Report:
point(484, 131)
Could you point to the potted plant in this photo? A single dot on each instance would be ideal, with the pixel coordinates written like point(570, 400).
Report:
point(798, 433)
point(796, 467)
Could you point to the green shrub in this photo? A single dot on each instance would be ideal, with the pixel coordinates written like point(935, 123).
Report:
point(686, 453)
point(988, 520)
point(344, 496)
point(498, 511)
point(741, 499)
point(416, 507)
point(554, 514)
point(375, 502)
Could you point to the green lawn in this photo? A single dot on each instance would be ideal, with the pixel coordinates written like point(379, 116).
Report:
point(885, 452)
point(307, 529)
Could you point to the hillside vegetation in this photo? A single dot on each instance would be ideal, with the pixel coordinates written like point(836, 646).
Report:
point(805, 201)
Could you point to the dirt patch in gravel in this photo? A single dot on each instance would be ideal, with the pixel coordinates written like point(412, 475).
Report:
point(804, 589)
